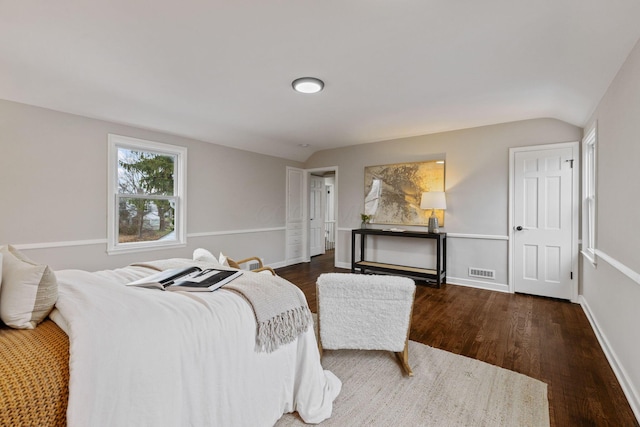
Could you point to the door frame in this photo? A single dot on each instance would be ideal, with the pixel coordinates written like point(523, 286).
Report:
point(304, 256)
point(322, 210)
point(575, 211)
point(288, 258)
point(305, 241)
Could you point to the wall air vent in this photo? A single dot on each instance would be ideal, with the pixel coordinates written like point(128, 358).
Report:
point(482, 273)
point(253, 265)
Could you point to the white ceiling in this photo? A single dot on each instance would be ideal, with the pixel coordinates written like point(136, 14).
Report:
point(221, 71)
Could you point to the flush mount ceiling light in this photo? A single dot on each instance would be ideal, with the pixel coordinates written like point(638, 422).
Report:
point(307, 85)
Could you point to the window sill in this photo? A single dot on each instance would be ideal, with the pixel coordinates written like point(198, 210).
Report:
point(126, 249)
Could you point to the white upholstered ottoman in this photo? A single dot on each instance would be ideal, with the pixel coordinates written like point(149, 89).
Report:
point(365, 312)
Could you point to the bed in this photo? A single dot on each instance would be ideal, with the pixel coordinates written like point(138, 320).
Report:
point(110, 355)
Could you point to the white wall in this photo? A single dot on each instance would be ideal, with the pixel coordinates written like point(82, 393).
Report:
point(53, 187)
point(477, 187)
point(611, 289)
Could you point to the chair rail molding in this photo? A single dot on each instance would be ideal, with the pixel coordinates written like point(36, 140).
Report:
point(62, 244)
point(477, 236)
point(241, 231)
point(90, 242)
point(630, 273)
point(456, 235)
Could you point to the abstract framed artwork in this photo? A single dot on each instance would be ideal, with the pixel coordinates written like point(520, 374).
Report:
point(393, 192)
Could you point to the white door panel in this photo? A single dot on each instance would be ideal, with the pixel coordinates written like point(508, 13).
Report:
point(316, 215)
point(543, 218)
point(295, 215)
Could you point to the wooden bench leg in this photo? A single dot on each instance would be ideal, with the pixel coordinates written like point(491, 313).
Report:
point(403, 357)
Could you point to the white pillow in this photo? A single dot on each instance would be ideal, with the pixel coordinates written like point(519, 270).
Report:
point(204, 255)
point(29, 290)
point(223, 260)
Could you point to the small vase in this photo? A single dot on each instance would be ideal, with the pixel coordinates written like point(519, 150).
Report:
point(363, 225)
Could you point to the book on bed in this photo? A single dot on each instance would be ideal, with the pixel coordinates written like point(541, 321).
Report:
point(207, 280)
point(192, 279)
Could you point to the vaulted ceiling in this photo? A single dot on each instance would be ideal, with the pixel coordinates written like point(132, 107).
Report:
point(221, 71)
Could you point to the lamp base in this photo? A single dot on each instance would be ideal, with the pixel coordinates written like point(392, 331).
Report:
point(433, 225)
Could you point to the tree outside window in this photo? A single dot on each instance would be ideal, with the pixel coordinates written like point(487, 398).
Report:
point(142, 174)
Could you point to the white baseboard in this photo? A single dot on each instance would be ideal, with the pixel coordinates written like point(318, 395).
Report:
point(278, 264)
point(491, 286)
point(346, 265)
point(627, 386)
point(480, 284)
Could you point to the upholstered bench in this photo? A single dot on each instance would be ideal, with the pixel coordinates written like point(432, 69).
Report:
point(365, 312)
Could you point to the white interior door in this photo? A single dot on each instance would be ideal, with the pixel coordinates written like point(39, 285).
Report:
point(295, 216)
point(316, 215)
point(544, 222)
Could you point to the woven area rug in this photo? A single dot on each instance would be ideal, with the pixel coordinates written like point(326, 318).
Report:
point(446, 390)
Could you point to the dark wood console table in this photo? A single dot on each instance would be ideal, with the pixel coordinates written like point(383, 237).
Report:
point(437, 275)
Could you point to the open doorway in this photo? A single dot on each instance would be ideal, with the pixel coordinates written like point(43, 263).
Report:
point(322, 192)
point(304, 204)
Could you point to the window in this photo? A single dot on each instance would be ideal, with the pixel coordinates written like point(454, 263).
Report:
point(589, 195)
point(147, 188)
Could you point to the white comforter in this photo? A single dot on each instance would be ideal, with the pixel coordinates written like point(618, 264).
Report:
point(141, 357)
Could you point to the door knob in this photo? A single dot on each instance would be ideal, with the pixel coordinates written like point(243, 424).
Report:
point(519, 228)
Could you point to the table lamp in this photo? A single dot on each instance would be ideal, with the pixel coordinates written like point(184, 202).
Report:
point(433, 200)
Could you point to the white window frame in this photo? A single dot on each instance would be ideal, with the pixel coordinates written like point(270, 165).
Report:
point(180, 194)
point(589, 194)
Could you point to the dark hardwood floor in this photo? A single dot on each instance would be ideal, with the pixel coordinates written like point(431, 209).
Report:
point(547, 339)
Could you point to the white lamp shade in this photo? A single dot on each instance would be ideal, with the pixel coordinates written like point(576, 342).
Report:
point(433, 200)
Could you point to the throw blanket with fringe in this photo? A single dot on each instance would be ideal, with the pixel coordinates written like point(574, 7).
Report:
point(281, 309)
